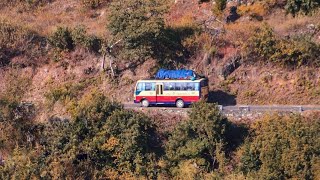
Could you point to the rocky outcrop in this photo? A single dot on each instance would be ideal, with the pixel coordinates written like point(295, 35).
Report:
point(232, 64)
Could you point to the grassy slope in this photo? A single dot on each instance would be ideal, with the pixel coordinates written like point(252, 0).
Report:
point(249, 84)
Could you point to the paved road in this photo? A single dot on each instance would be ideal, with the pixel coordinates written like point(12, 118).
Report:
point(256, 108)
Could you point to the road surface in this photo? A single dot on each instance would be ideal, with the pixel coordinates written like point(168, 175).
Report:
point(255, 108)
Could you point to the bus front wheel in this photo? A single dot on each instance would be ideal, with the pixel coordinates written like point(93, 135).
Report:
point(145, 103)
point(180, 103)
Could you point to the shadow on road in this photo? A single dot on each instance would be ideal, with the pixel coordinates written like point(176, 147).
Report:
point(222, 98)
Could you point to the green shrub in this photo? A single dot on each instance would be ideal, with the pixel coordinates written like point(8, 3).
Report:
point(132, 140)
point(16, 119)
point(282, 147)
point(68, 91)
point(137, 28)
point(17, 125)
point(19, 165)
point(11, 35)
point(297, 51)
point(201, 139)
point(295, 7)
point(26, 4)
point(262, 45)
point(219, 6)
point(65, 38)
point(102, 137)
point(292, 51)
point(72, 148)
point(91, 3)
point(62, 39)
point(13, 40)
point(81, 38)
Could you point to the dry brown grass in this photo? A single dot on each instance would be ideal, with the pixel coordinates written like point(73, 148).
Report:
point(240, 31)
point(255, 9)
point(60, 13)
point(285, 24)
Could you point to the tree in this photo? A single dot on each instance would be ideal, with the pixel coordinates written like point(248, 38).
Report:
point(139, 24)
point(62, 39)
point(201, 139)
point(282, 147)
point(304, 6)
point(133, 143)
point(219, 6)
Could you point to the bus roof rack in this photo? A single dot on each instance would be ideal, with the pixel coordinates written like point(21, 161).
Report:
point(175, 74)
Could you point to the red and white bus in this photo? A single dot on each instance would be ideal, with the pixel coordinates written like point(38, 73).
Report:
point(170, 92)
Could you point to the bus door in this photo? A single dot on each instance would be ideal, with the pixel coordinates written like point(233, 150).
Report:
point(159, 93)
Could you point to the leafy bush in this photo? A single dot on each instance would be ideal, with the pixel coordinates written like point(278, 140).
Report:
point(61, 39)
point(19, 165)
point(13, 40)
point(81, 38)
point(71, 148)
point(254, 10)
point(16, 119)
point(132, 140)
point(296, 51)
point(65, 38)
point(201, 139)
point(262, 44)
point(295, 7)
point(17, 126)
point(17, 40)
point(139, 25)
point(26, 4)
point(11, 35)
point(219, 6)
point(68, 91)
point(102, 140)
point(65, 92)
point(91, 3)
point(282, 147)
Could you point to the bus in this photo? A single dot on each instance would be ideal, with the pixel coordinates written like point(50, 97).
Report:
point(170, 92)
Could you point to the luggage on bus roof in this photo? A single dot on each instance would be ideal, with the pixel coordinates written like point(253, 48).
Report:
point(175, 74)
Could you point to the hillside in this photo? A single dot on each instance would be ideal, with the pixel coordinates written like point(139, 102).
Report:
point(214, 49)
point(67, 67)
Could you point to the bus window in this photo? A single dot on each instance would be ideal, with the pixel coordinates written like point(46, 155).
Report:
point(184, 86)
point(178, 86)
point(140, 87)
point(150, 86)
point(190, 86)
point(169, 86)
point(181, 86)
point(196, 86)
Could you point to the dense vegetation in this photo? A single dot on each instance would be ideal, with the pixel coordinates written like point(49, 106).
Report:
point(99, 139)
point(139, 31)
point(105, 141)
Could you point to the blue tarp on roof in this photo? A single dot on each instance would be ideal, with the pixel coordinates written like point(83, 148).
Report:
point(175, 74)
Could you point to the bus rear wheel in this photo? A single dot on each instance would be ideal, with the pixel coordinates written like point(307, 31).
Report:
point(145, 103)
point(179, 103)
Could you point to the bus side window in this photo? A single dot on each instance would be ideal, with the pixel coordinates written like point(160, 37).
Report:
point(140, 86)
point(169, 86)
point(178, 86)
point(166, 86)
point(184, 86)
point(149, 86)
point(196, 86)
point(190, 86)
